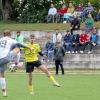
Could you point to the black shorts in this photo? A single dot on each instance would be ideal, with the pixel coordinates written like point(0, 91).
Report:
point(30, 66)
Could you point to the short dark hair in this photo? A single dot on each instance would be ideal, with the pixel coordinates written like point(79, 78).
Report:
point(67, 30)
point(32, 35)
point(7, 33)
point(18, 31)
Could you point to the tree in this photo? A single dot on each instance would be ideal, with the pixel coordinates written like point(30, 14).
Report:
point(6, 9)
point(9, 9)
point(34, 11)
point(31, 11)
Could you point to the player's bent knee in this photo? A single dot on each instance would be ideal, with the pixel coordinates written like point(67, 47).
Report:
point(43, 68)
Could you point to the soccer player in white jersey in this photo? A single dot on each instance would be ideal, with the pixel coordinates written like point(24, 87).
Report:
point(9, 48)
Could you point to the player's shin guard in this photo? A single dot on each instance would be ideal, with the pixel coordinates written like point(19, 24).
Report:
point(3, 86)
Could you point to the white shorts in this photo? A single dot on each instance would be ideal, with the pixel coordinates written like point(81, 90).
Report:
point(4, 61)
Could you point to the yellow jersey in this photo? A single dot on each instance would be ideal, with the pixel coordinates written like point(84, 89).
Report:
point(32, 55)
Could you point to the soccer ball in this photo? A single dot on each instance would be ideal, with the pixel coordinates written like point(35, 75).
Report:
point(12, 68)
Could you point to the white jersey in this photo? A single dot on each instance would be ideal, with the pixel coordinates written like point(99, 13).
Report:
point(5, 46)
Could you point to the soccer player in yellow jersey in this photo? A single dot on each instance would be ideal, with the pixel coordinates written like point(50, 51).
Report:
point(31, 57)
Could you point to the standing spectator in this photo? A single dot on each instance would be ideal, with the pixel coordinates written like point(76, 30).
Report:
point(59, 53)
point(60, 13)
point(75, 24)
point(51, 13)
point(68, 42)
point(89, 23)
point(93, 40)
point(83, 39)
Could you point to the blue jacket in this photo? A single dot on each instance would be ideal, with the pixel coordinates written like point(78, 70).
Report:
point(94, 38)
point(49, 46)
point(68, 38)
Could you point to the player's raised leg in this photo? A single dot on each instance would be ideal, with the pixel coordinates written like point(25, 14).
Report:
point(46, 71)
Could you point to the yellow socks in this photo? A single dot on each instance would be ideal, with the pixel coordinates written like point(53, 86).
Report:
point(31, 89)
point(52, 78)
point(54, 81)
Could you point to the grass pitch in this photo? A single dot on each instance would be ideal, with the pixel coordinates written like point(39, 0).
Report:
point(73, 87)
point(38, 26)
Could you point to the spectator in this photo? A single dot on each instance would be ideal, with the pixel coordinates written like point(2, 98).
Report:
point(51, 13)
point(75, 24)
point(89, 9)
point(20, 38)
point(75, 40)
point(49, 50)
point(68, 42)
point(79, 8)
point(83, 39)
point(54, 37)
point(98, 16)
point(59, 37)
point(71, 7)
point(93, 41)
point(59, 53)
point(60, 13)
point(89, 23)
point(70, 11)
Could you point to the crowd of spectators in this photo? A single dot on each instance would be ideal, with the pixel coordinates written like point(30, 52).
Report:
point(75, 42)
point(66, 13)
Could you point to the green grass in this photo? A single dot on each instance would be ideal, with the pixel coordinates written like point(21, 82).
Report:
point(73, 87)
point(37, 26)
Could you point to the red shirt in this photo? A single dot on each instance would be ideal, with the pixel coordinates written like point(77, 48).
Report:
point(84, 37)
point(62, 11)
